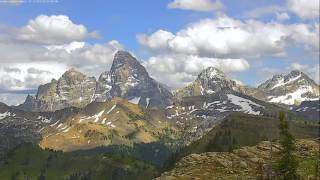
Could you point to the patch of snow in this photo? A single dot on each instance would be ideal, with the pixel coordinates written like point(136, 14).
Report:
point(6, 114)
point(222, 109)
point(210, 91)
point(132, 81)
point(193, 110)
point(66, 130)
point(282, 82)
point(206, 105)
point(104, 120)
point(110, 124)
point(245, 104)
point(65, 127)
point(59, 125)
point(213, 73)
point(169, 107)
point(82, 119)
point(44, 119)
point(55, 123)
point(293, 97)
point(135, 100)
point(202, 90)
point(41, 129)
point(148, 101)
point(191, 107)
point(97, 116)
point(112, 108)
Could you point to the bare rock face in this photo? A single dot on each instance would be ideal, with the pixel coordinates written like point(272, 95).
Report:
point(73, 89)
point(290, 89)
point(103, 87)
point(209, 81)
point(131, 81)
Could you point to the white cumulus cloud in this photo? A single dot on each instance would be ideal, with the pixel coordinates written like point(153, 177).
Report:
point(52, 30)
point(305, 9)
point(178, 70)
point(24, 76)
point(156, 40)
point(225, 37)
point(197, 5)
point(45, 48)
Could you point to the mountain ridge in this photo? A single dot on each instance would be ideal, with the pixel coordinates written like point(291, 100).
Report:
point(127, 78)
point(291, 89)
point(211, 80)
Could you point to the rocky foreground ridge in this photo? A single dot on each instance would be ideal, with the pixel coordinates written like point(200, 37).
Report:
point(244, 163)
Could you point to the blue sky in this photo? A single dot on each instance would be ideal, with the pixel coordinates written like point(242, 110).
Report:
point(122, 19)
point(120, 23)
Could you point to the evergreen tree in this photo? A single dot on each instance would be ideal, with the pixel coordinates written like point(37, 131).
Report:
point(317, 163)
point(287, 164)
point(42, 175)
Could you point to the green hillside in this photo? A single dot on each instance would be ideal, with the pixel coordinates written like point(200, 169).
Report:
point(238, 130)
point(31, 162)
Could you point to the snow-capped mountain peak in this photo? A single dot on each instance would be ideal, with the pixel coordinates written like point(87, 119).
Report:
point(209, 81)
point(131, 81)
point(211, 73)
point(292, 88)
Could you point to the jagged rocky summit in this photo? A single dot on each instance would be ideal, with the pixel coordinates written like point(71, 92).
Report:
point(209, 81)
point(127, 78)
point(290, 89)
point(73, 89)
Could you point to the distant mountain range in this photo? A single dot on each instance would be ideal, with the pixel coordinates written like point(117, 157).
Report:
point(128, 79)
point(127, 112)
point(97, 118)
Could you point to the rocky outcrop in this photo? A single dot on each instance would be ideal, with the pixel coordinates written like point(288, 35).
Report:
point(244, 163)
point(103, 88)
point(73, 89)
